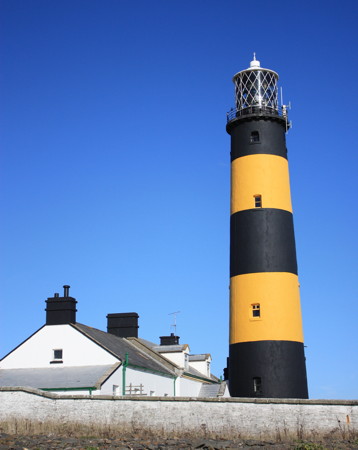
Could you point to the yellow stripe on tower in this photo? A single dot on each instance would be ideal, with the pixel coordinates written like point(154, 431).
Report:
point(277, 294)
point(260, 174)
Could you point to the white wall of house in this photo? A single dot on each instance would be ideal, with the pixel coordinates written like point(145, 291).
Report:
point(38, 351)
point(75, 392)
point(112, 386)
point(179, 358)
point(187, 387)
point(201, 366)
point(153, 384)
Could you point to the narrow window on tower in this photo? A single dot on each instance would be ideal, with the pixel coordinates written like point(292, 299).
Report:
point(258, 201)
point(254, 137)
point(256, 312)
point(257, 385)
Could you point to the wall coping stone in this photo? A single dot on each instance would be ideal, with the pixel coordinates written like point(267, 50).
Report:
point(285, 401)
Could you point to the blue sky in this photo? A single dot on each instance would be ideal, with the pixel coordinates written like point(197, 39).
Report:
point(115, 165)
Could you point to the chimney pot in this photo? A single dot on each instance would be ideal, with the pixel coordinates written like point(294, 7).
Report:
point(66, 290)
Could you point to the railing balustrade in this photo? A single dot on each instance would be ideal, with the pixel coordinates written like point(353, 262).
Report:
point(234, 113)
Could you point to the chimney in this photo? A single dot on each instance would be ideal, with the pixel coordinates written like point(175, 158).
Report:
point(61, 310)
point(169, 340)
point(123, 324)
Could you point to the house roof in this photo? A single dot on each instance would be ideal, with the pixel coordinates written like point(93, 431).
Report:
point(147, 347)
point(170, 348)
point(151, 347)
point(58, 377)
point(199, 357)
point(194, 372)
point(212, 390)
point(142, 354)
point(120, 346)
point(156, 349)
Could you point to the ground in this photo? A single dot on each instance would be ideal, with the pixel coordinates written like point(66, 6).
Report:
point(15, 441)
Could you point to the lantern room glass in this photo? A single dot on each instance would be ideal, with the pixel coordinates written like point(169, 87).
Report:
point(256, 88)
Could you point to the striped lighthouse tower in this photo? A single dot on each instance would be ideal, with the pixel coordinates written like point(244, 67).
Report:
point(266, 356)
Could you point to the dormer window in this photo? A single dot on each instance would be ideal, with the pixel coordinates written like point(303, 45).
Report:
point(254, 137)
point(186, 361)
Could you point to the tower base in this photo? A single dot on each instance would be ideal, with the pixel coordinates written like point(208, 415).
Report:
point(270, 369)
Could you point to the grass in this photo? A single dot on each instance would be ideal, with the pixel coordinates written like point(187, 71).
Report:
point(301, 440)
point(309, 446)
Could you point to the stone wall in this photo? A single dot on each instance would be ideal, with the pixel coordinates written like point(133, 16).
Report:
point(225, 418)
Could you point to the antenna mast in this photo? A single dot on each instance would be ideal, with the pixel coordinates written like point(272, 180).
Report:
point(174, 324)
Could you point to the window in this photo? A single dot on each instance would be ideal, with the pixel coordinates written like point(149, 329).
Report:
point(256, 310)
point(257, 385)
point(57, 354)
point(115, 389)
point(258, 201)
point(254, 137)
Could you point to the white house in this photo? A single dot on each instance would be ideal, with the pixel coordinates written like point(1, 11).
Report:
point(69, 357)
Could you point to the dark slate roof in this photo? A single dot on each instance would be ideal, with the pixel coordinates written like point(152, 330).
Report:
point(149, 344)
point(209, 390)
point(58, 377)
point(120, 346)
point(142, 344)
point(213, 390)
point(197, 374)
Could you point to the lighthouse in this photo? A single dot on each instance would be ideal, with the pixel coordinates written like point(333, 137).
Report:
point(266, 352)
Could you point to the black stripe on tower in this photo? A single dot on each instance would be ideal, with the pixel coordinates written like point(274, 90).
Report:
point(262, 240)
point(271, 138)
point(278, 366)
